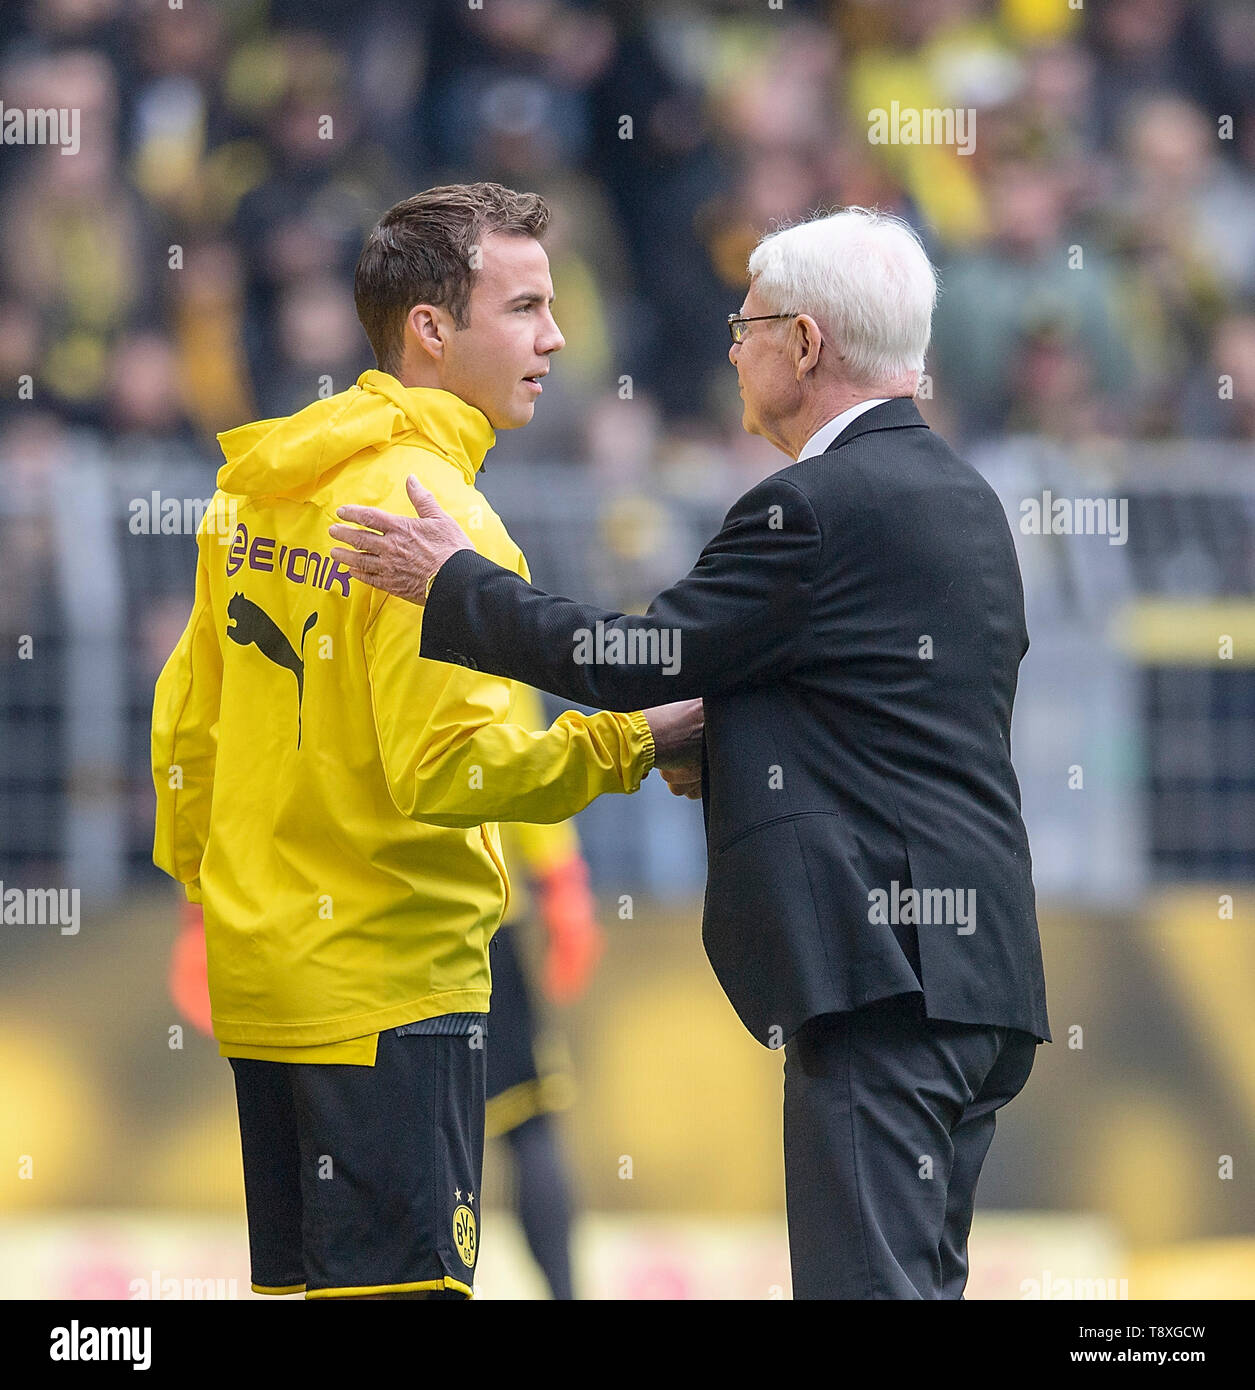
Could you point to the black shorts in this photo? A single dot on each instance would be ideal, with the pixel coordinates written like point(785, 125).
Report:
point(364, 1180)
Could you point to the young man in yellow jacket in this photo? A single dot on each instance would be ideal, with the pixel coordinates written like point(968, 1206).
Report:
point(332, 799)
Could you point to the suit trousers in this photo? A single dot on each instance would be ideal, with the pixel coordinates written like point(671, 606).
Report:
point(888, 1116)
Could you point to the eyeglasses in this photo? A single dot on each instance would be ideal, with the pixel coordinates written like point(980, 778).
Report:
point(736, 323)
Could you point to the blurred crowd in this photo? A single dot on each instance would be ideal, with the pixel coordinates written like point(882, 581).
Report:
point(190, 267)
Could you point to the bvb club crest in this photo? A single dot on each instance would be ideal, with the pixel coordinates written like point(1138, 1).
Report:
point(464, 1236)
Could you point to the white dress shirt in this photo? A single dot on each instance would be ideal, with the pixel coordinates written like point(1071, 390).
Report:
point(825, 434)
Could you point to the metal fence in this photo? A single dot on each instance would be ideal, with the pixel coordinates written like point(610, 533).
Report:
point(1134, 737)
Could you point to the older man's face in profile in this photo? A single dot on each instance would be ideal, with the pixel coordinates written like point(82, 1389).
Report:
point(768, 386)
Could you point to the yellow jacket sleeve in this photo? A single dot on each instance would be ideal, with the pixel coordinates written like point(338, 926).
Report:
point(185, 741)
point(451, 758)
point(540, 847)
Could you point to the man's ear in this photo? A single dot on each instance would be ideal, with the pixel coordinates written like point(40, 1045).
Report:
point(805, 345)
point(424, 321)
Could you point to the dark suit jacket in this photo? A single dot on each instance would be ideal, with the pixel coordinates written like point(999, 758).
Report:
point(855, 630)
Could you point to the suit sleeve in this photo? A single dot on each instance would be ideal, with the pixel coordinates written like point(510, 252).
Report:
point(185, 741)
point(452, 759)
point(739, 617)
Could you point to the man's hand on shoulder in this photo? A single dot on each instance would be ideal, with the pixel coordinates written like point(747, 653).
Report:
point(677, 731)
point(400, 555)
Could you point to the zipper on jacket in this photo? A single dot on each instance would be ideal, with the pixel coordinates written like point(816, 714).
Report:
point(501, 869)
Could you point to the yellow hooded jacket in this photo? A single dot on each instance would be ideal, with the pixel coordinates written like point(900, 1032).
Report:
point(328, 795)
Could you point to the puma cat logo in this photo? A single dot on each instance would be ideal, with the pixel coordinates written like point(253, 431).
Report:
point(254, 625)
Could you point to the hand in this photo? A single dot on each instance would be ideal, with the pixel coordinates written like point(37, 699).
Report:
point(684, 783)
point(398, 554)
point(677, 731)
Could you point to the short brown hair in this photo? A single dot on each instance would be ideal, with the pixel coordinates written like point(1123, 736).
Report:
point(420, 252)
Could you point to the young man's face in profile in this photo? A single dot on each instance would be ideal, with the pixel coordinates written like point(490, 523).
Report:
point(511, 332)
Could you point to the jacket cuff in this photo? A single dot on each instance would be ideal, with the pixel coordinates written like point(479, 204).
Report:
point(640, 726)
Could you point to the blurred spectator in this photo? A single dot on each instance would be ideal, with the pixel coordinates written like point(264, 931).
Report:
point(76, 244)
point(1220, 399)
point(1029, 274)
point(1177, 176)
point(1166, 45)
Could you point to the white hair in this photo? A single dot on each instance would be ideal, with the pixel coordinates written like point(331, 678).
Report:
point(865, 278)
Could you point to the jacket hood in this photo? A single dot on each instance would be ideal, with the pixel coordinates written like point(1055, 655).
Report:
point(290, 455)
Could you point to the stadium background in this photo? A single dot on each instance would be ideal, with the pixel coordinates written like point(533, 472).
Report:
point(262, 140)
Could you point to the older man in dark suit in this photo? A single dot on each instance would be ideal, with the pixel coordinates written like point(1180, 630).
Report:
point(855, 631)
